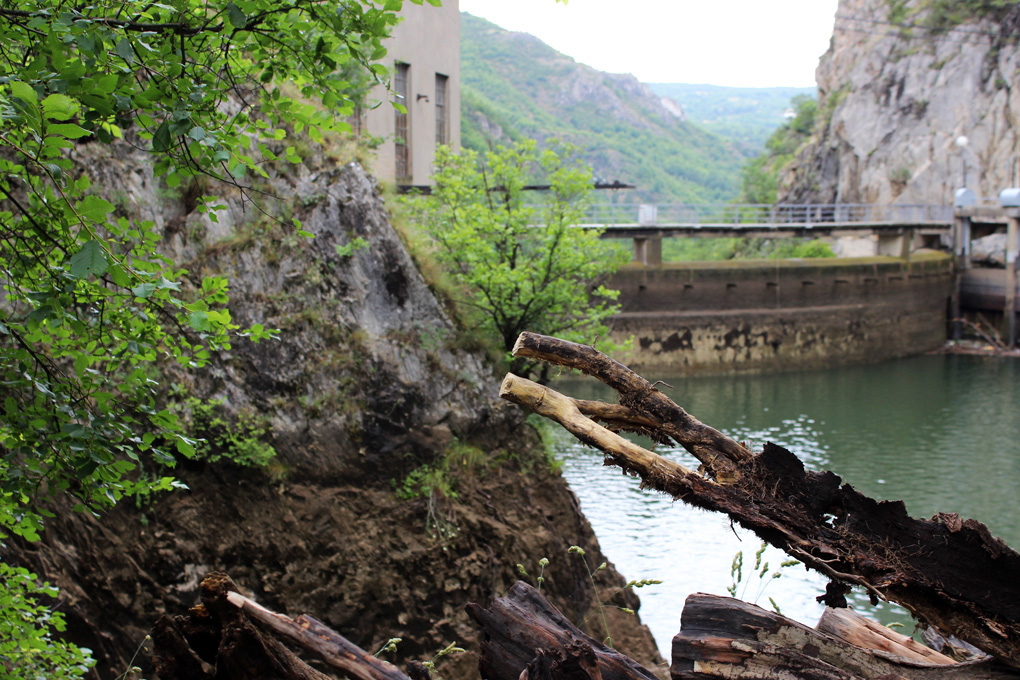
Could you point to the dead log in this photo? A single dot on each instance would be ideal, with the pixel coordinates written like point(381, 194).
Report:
point(523, 633)
point(948, 572)
point(725, 638)
point(849, 626)
point(231, 637)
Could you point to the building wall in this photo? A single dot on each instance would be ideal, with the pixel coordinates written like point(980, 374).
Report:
point(428, 41)
point(779, 315)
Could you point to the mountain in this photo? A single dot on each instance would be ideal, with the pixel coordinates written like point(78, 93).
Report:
point(900, 84)
point(745, 116)
point(515, 86)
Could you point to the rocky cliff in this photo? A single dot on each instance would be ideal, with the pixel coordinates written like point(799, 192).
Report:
point(900, 83)
point(369, 385)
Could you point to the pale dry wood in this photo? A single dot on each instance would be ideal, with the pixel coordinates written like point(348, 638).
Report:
point(313, 636)
point(555, 406)
point(851, 627)
point(718, 453)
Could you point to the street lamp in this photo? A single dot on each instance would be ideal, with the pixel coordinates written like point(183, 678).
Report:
point(964, 197)
point(962, 142)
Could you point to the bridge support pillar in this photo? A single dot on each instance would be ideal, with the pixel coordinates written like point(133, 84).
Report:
point(896, 245)
point(648, 250)
point(1009, 306)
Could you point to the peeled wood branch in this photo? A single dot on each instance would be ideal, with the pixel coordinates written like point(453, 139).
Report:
point(231, 637)
point(553, 405)
point(312, 635)
point(718, 453)
point(949, 572)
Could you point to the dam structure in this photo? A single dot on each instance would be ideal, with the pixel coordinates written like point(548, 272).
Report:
point(737, 316)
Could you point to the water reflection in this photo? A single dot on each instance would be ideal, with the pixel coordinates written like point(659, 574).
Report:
point(939, 432)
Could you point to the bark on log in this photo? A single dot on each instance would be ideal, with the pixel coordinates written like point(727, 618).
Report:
point(949, 572)
point(218, 639)
point(526, 634)
point(726, 638)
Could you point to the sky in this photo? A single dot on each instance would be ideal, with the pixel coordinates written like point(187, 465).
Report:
point(738, 43)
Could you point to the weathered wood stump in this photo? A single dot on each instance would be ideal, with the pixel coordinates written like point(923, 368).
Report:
point(528, 638)
point(726, 638)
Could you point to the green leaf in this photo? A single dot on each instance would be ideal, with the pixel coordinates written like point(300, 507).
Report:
point(69, 130)
point(89, 260)
point(236, 16)
point(200, 321)
point(24, 92)
point(94, 208)
point(59, 107)
point(161, 137)
point(125, 51)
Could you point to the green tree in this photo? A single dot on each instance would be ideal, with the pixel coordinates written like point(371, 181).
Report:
point(89, 305)
point(524, 266)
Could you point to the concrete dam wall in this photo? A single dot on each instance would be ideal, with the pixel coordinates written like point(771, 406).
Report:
point(776, 315)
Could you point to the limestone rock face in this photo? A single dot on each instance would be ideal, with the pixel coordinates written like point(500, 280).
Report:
point(894, 99)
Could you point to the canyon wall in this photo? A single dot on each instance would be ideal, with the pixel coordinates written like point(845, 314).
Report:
point(899, 85)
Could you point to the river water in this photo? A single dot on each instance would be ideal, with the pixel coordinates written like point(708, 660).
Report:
point(942, 433)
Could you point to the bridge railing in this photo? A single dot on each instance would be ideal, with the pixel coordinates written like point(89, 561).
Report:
point(632, 214)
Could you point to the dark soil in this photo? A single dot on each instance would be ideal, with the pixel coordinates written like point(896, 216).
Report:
point(355, 557)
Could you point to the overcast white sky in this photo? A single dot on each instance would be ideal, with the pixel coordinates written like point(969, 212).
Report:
point(740, 43)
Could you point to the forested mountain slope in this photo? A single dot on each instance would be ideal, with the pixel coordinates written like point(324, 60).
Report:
point(745, 116)
point(515, 86)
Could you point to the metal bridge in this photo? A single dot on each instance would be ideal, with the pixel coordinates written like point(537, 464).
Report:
point(896, 226)
point(777, 220)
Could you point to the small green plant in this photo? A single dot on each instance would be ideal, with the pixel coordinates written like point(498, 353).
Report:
point(760, 572)
point(132, 670)
point(600, 604)
point(346, 250)
point(541, 572)
point(389, 647)
point(430, 665)
point(240, 441)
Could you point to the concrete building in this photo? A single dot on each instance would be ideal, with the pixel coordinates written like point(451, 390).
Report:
point(424, 58)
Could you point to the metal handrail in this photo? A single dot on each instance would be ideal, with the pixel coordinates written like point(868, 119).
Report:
point(780, 215)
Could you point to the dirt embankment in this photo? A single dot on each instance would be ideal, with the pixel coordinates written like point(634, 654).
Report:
point(364, 388)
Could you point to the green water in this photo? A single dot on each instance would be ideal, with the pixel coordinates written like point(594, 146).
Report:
point(942, 433)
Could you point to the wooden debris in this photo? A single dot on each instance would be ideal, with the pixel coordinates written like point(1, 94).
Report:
point(231, 637)
point(949, 572)
point(527, 638)
point(725, 638)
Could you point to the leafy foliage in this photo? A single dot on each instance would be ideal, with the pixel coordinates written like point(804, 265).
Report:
point(90, 307)
point(761, 175)
point(27, 647)
point(519, 275)
point(741, 248)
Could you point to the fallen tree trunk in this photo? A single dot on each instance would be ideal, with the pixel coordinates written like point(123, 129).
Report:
point(949, 572)
point(526, 634)
point(725, 638)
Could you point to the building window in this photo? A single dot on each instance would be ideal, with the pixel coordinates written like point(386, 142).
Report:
point(357, 121)
point(442, 120)
point(401, 132)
